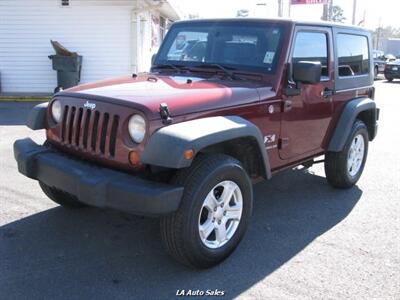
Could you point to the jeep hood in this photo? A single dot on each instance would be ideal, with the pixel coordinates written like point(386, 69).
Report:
point(182, 94)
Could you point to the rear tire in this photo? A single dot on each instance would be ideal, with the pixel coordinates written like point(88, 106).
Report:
point(60, 197)
point(343, 169)
point(214, 213)
point(390, 79)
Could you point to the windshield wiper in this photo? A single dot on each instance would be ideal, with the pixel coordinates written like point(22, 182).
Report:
point(180, 68)
point(227, 72)
point(177, 68)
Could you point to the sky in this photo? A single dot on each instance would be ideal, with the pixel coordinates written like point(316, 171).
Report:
point(384, 11)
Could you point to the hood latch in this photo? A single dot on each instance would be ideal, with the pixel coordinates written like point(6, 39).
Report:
point(164, 113)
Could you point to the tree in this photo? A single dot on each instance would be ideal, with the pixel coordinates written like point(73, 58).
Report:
point(333, 13)
point(242, 13)
point(192, 16)
point(337, 14)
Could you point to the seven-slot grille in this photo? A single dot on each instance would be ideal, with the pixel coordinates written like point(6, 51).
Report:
point(89, 130)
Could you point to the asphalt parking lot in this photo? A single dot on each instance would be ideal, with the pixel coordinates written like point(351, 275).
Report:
point(306, 239)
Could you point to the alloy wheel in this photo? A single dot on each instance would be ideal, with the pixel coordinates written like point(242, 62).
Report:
point(220, 214)
point(356, 155)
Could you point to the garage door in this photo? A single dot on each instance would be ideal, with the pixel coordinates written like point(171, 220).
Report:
point(98, 30)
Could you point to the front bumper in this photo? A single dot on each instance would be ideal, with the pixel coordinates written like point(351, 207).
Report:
point(94, 185)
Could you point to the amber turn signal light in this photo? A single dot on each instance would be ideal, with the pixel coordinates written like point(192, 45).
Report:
point(134, 158)
point(189, 154)
point(49, 134)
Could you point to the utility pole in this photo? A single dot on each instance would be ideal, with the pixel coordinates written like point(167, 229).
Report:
point(280, 8)
point(378, 34)
point(354, 12)
point(327, 11)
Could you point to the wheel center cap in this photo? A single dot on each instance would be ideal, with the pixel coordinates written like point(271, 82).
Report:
point(218, 214)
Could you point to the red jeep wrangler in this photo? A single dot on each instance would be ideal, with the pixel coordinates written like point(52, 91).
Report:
point(227, 102)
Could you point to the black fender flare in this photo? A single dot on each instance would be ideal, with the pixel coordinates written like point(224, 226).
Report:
point(349, 114)
point(37, 117)
point(166, 146)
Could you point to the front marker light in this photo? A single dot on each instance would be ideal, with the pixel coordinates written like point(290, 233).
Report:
point(56, 111)
point(137, 128)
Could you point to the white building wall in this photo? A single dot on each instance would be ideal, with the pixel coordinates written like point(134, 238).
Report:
point(99, 30)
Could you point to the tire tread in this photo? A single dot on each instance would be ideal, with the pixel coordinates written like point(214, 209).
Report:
point(336, 162)
point(172, 226)
point(60, 197)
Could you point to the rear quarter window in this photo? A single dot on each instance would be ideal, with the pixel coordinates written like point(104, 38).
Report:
point(353, 58)
point(353, 55)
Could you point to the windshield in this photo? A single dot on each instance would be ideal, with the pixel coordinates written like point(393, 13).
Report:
point(252, 46)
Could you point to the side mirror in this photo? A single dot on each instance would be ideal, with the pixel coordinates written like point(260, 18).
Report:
point(153, 58)
point(307, 72)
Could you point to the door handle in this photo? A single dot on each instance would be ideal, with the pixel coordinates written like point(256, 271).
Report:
point(287, 105)
point(326, 93)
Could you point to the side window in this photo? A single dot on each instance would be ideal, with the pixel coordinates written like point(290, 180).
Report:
point(312, 46)
point(353, 54)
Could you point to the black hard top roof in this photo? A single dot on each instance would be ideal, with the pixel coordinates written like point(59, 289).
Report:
point(277, 20)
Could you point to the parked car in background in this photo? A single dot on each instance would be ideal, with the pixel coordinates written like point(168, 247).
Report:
point(392, 70)
point(390, 57)
point(379, 62)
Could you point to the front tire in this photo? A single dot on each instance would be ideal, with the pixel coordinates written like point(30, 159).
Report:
point(343, 169)
point(62, 198)
point(376, 71)
point(214, 212)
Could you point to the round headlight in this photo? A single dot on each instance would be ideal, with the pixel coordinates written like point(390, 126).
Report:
point(137, 128)
point(56, 111)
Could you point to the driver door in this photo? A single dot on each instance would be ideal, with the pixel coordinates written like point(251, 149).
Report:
point(306, 116)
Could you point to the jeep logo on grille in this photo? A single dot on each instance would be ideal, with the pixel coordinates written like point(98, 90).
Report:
point(89, 105)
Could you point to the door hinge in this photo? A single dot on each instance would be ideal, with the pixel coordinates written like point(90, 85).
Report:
point(326, 93)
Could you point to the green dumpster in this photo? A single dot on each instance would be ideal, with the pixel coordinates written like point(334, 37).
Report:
point(68, 70)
